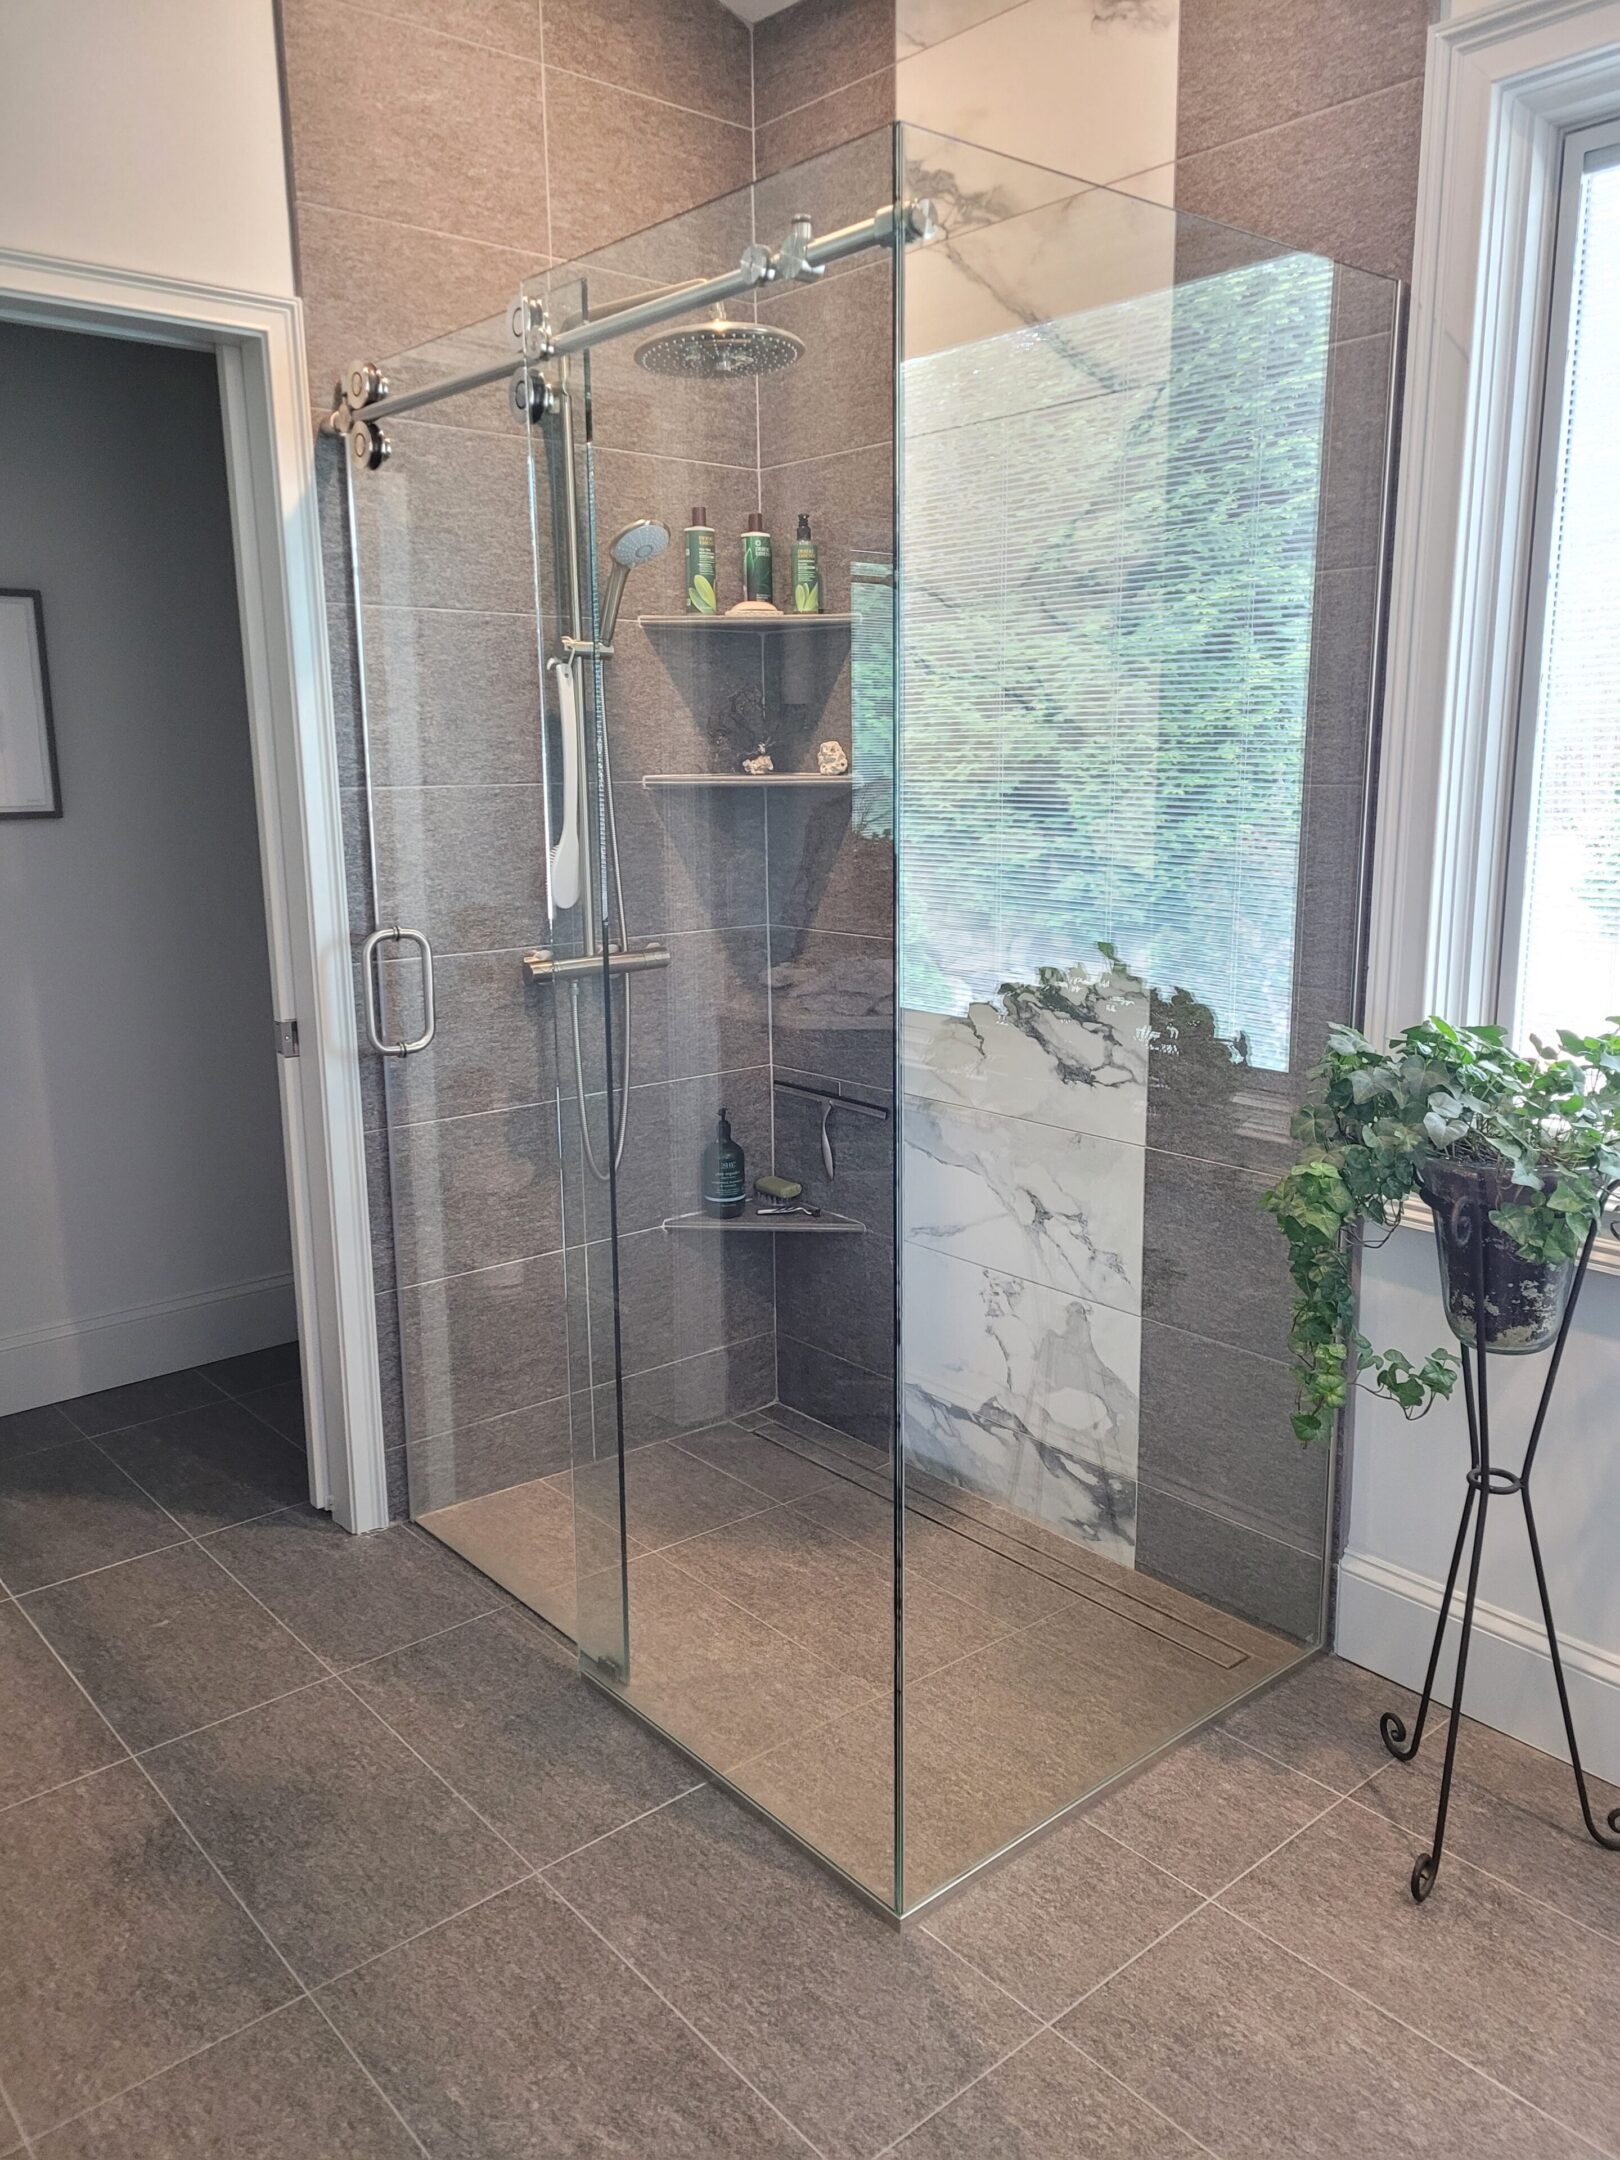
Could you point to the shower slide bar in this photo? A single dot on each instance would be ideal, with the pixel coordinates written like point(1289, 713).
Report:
point(365, 398)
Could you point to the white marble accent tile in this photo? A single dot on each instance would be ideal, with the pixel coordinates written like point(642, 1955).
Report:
point(1071, 1052)
point(1083, 86)
point(1054, 1207)
point(1024, 1395)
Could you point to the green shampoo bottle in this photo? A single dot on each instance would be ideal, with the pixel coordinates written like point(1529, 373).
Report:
point(806, 571)
point(756, 559)
point(700, 592)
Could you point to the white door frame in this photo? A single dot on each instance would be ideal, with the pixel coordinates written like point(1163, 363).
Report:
point(269, 454)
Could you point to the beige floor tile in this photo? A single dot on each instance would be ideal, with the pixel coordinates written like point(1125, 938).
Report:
point(1260, 2056)
point(1209, 1809)
point(854, 2031)
point(1517, 1990)
point(1047, 2102)
point(1515, 1812)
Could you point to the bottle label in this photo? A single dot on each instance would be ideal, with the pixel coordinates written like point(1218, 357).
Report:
point(700, 592)
point(806, 579)
point(756, 551)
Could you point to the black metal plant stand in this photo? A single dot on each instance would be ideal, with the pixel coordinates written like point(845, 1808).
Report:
point(1486, 1480)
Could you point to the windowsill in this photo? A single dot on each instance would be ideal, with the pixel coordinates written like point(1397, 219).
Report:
point(1605, 1253)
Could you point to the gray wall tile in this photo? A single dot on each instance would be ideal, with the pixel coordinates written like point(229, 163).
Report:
point(1213, 1261)
point(373, 288)
point(453, 699)
point(843, 116)
point(838, 1294)
point(1241, 72)
point(1215, 1428)
point(821, 45)
point(833, 1003)
point(466, 865)
point(687, 52)
point(446, 135)
point(1341, 182)
point(477, 1345)
point(1262, 1579)
point(471, 1191)
point(848, 1397)
point(609, 149)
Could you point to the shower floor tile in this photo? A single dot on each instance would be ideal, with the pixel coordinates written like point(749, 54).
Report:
point(761, 1637)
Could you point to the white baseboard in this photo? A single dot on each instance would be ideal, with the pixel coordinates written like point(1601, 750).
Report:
point(1386, 1617)
point(76, 1357)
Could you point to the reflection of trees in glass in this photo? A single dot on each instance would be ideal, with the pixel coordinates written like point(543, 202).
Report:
point(1107, 617)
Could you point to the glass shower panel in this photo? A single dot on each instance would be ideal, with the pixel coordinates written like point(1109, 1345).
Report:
point(750, 1398)
point(1130, 820)
point(476, 1138)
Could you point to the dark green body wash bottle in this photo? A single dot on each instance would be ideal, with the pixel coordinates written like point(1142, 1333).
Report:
point(725, 1182)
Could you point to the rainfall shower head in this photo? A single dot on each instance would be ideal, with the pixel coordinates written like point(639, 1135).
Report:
point(718, 349)
point(628, 550)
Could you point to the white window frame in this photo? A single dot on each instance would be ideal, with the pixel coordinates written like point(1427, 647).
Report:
point(1584, 150)
point(1503, 88)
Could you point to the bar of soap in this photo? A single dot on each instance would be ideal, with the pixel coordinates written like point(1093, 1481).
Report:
point(778, 1188)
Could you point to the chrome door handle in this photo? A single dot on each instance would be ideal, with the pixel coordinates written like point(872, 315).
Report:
point(368, 953)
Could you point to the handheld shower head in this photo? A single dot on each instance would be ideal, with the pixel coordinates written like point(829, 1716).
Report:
point(628, 550)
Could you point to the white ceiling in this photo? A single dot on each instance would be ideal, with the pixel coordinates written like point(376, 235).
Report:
point(753, 11)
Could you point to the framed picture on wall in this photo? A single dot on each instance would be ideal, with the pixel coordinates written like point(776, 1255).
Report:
point(29, 786)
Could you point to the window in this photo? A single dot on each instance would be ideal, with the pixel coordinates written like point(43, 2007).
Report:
point(1561, 942)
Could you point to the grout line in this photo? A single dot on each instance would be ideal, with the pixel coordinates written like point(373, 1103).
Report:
point(106, 1567)
point(674, 2009)
point(163, 2069)
point(651, 97)
point(477, 1904)
point(9, 2114)
point(544, 1867)
point(450, 37)
point(821, 97)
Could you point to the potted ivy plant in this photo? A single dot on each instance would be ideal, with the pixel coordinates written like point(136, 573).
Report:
point(1524, 1144)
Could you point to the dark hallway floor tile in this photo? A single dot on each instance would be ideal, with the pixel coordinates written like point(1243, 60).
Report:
point(853, 2032)
point(1518, 1991)
point(26, 1432)
point(123, 1950)
point(168, 1643)
point(1263, 2058)
point(113, 1408)
point(506, 1716)
point(513, 2033)
point(212, 1467)
point(286, 2089)
point(48, 1732)
point(332, 1833)
point(1053, 1921)
point(351, 1597)
point(1047, 2102)
point(70, 1510)
point(254, 1369)
point(283, 1409)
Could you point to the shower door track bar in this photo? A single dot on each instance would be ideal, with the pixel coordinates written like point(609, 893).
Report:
point(365, 397)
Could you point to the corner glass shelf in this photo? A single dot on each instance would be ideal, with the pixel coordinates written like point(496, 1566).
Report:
point(759, 625)
point(747, 780)
point(823, 1225)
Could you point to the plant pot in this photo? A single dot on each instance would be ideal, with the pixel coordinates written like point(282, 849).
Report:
point(1524, 1299)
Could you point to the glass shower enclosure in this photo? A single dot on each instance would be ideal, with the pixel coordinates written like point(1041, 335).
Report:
point(1000, 895)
